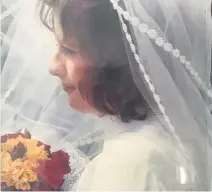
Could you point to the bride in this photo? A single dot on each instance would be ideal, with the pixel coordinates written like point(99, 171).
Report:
point(141, 68)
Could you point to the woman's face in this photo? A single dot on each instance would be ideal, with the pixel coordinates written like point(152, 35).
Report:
point(71, 67)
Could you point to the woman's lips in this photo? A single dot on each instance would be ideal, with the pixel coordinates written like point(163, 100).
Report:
point(68, 89)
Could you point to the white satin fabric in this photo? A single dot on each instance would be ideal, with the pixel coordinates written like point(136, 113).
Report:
point(144, 158)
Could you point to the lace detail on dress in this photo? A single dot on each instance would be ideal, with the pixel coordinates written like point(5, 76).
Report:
point(77, 164)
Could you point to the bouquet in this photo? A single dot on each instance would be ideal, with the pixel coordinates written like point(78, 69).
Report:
point(29, 164)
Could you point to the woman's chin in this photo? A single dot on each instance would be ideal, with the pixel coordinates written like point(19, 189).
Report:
point(82, 106)
point(73, 104)
point(77, 103)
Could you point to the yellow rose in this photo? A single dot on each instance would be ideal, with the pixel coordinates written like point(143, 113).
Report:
point(21, 185)
point(30, 143)
point(6, 161)
point(38, 152)
point(30, 163)
point(20, 139)
point(10, 180)
point(29, 175)
point(9, 145)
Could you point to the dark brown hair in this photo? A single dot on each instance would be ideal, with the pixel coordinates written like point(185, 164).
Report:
point(96, 25)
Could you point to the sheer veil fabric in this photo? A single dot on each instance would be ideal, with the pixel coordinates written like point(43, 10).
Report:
point(168, 43)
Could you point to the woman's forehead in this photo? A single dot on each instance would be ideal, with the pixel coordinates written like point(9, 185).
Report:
point(68, 41)
point(64, 35)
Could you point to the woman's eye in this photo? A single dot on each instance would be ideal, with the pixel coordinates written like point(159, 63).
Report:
point(66, 51)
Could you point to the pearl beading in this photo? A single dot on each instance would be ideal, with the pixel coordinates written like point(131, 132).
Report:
point(159, 41)
point(151, 34)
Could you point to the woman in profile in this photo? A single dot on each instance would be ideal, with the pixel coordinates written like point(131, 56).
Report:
point(94, 66)
point(119, 61)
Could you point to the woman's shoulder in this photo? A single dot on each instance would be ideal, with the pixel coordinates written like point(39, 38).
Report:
point(138, 137)
point(139, 140)
point(144, 139)
point(125, 162)
point(137, 160)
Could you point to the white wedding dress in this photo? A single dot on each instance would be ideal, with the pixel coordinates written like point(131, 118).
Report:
point(144, 158)
point(173, 82)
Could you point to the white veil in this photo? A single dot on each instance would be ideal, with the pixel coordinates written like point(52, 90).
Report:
point(171, 53)
point(175, 84)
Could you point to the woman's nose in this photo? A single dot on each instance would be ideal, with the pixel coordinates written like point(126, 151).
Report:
point(56, 68)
